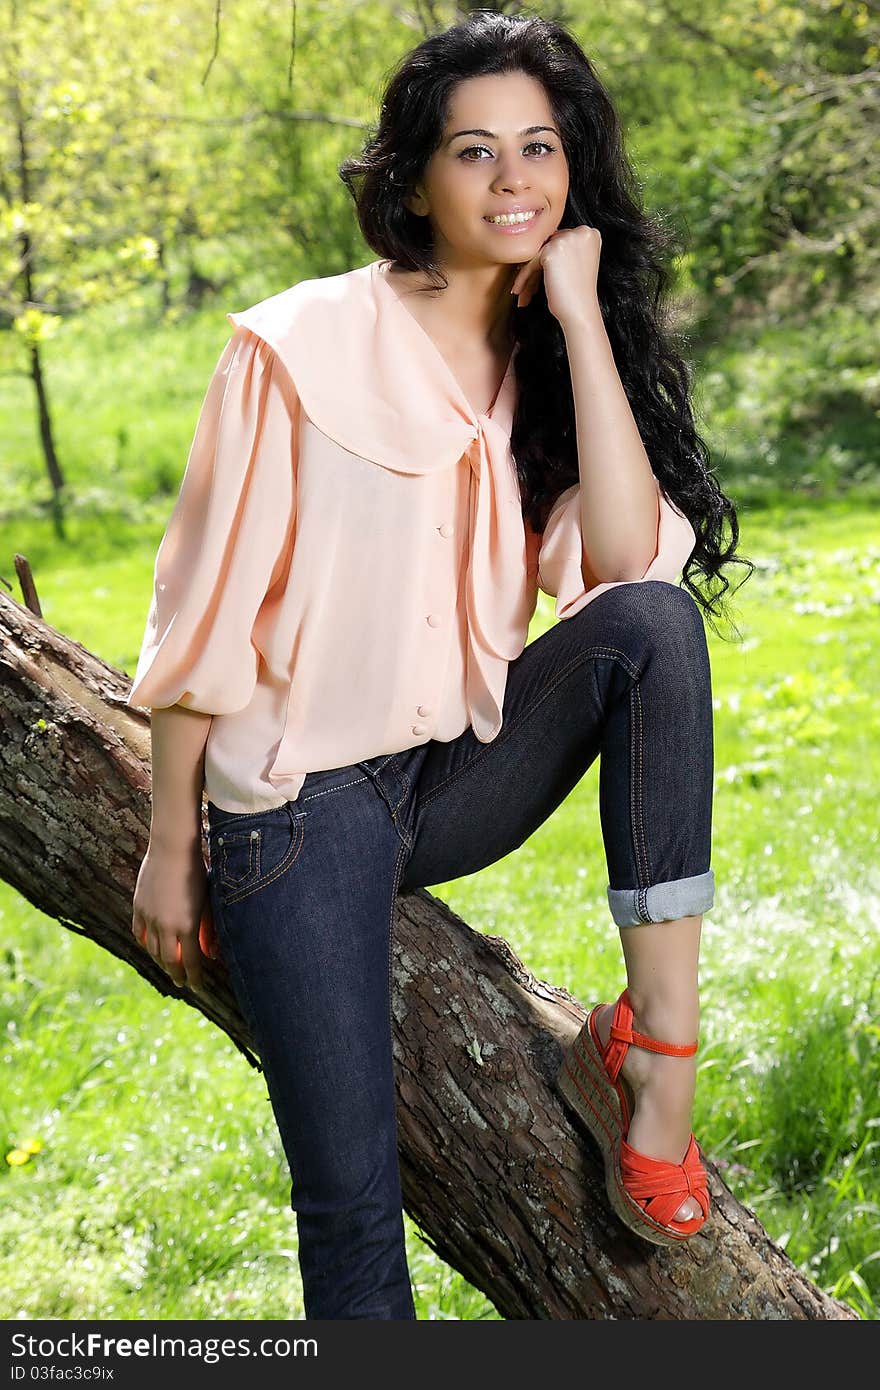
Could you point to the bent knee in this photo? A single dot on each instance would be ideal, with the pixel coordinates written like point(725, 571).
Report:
point(652, 609)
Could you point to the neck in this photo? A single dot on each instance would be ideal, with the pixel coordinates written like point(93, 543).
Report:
point(475, 307)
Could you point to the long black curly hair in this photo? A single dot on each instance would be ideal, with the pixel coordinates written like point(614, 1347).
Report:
point(634, 279)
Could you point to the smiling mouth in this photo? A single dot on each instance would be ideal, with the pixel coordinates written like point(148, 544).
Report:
point(513, 219)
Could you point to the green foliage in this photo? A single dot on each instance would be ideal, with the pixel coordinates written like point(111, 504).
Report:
point(159, 180)
point(788, 412)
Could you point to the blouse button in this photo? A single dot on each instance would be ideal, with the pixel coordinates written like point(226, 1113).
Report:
point(434, 620)
point(419, 729)
point(447, 529)
point(423, 710)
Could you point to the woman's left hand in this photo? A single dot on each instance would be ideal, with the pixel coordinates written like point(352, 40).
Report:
point(569, 263)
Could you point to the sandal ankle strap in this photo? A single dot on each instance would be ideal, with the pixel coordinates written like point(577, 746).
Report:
point(623, 1036)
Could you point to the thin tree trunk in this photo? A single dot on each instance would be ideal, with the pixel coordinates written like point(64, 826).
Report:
point(50, 454)
point(496, 1177)
point(26, 273)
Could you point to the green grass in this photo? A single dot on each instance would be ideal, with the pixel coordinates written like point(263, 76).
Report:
point(161, 1190)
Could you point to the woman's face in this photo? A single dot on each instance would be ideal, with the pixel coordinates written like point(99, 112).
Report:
point(501, 150)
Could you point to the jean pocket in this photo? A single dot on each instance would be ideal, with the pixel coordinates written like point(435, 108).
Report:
point(246, 857)
point(238, 857)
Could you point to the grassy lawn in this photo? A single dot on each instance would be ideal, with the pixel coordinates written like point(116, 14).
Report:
point(160, 1188)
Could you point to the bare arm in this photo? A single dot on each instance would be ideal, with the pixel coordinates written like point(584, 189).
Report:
point(620, 505)
point(618, 496)
point(171, 897)
point(178, 738)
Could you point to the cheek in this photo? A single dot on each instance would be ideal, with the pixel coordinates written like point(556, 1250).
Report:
point(456, 198)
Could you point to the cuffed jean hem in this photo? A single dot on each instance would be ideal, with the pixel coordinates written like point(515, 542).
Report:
point(662, 902)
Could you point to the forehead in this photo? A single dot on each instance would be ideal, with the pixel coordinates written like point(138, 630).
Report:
point(501, 102)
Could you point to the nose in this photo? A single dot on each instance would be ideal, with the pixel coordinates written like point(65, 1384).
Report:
point(511, 177)
point(511, 183)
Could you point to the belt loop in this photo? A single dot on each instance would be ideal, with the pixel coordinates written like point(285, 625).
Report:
point(393, 783)
point(389, 778)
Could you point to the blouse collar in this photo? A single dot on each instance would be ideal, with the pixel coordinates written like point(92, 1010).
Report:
point(380, 275)
point(369, 376)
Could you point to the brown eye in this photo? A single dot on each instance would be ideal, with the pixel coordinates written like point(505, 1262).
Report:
point(533, 145)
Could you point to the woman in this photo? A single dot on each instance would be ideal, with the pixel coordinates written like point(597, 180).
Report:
point(388, 464)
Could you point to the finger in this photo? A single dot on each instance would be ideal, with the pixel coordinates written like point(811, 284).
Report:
point(523, 299)
point(208, 936)
point(531, 283)
point(522, 276)
point(170, 960)
point(191, 959)
point(530, 292)
point(207, 931)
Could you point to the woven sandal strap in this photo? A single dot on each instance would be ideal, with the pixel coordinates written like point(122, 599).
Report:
point(662, 1187)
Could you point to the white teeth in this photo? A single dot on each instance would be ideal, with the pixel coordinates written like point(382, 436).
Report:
point(506, 219)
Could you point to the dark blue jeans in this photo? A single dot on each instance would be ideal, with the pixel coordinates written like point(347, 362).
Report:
point(303, 895)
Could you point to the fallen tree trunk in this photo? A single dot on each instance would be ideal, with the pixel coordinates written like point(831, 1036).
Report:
point(497, 1178)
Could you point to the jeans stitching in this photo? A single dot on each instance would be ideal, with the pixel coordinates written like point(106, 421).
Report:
point(401, 829)
point(253, 868)
point(280, 868)
point(508, 729)
point(638, 815)
point(401, 772)
point(328, 790)
point(402, 832)
point(245, 815)
point(398, 870)
point(228, 947)
point(387, 758)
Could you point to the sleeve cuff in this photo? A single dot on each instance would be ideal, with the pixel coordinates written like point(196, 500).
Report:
point(564, 570)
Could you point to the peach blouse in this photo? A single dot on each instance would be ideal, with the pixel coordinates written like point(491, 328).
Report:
point(346, 571)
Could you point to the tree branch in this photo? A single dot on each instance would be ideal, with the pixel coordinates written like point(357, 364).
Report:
point(501, 1182)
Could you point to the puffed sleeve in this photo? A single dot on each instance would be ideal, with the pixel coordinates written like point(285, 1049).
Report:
point(564, 570)
point(226, 539)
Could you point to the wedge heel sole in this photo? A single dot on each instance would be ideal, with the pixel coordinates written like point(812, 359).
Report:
point(584, 1084)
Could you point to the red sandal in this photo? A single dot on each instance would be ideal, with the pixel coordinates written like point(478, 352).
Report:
point(644, 1192)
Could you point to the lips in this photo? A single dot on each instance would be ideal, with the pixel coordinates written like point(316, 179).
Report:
point(510, 212)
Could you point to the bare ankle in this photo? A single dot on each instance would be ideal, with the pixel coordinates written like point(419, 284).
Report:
point(671, 1016)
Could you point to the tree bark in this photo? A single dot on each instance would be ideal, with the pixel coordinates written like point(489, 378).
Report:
point(498, 1179)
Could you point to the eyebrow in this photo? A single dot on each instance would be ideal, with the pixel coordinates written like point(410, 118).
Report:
point(529, 130)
